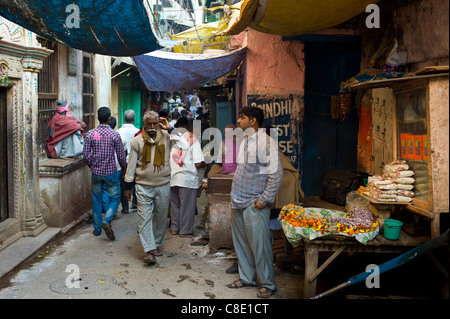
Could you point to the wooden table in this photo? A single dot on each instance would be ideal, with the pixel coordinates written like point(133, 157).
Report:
point(339, 244)
point(381, 210)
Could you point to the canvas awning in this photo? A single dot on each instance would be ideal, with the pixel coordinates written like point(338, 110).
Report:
point(194, 40)
point(168, 71)
point(292, 17)
point(117, 28)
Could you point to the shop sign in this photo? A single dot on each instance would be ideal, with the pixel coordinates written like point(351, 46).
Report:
point(285, 113)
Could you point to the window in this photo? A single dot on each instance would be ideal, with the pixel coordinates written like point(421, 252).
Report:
point(413, 136)
point(47, 91)
point(88, 91)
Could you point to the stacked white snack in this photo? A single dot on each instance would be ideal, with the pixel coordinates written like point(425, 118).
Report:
point(395, 185)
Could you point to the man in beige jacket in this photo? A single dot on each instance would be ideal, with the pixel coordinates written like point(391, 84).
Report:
point(149, 167)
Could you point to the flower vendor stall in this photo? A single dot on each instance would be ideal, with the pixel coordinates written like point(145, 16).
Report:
point(330, 230)
point(311, 222)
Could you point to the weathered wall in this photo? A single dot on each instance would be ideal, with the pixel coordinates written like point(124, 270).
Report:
point(102, 86)
point(275, 83)
point(70, 87)
point(273, 65)
point(423, 29)
point(65, 194)
point(439, 131)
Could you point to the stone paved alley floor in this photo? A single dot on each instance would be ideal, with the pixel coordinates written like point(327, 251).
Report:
point(116, 270)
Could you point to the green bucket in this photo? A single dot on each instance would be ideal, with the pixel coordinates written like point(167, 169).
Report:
point(392, 229)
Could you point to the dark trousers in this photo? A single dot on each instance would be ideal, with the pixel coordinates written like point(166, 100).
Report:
point(123, 200)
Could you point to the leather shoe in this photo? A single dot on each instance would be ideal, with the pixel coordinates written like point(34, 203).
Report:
point(108, 230)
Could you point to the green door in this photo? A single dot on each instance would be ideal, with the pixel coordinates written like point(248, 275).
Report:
point(129, 99)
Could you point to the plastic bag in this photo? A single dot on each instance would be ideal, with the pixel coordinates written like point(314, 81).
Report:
point(353, 199)
point(396, 60)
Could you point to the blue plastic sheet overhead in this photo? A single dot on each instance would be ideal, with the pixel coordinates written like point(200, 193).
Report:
point(117, 28)
point(167, 71)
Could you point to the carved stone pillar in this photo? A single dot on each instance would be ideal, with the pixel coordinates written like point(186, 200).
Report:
point(23, 64)
point(33, 222)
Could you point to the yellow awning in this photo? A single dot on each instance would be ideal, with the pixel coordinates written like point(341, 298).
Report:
point(200, 37)
point(292, 17)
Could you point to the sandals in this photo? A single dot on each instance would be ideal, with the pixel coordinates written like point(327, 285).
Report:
point(240, 284)
point(262, 293)
point(157, 252)
point(265, 292)
point(150, 258)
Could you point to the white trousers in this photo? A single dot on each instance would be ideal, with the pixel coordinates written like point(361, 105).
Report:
point(153, 209)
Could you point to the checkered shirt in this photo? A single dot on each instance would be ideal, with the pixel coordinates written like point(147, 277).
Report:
point(100, 146)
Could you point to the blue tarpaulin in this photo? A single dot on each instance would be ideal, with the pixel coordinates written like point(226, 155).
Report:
point(117, 28)
point(167, 71)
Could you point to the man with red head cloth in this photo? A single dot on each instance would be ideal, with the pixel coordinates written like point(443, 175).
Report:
point(64, 133)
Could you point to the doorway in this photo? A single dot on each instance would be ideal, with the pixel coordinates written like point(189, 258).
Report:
point(130, 98)
point(329, 142)
point(3, 158)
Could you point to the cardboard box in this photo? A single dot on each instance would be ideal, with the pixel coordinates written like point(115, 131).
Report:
point(425, 147)
point(418, 148)
point(410, 146)
point(404, 145)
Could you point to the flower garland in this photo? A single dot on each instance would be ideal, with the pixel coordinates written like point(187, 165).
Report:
point(359, 220)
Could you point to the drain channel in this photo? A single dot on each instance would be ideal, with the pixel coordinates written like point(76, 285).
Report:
point(88, 283)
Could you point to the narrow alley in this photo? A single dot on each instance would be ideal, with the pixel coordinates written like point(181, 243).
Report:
point(114, 270)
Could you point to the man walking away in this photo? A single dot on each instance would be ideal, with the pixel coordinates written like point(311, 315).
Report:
point(101, 146)
point(127, 132)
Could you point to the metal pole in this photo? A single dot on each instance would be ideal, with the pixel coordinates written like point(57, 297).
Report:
point(391, 264)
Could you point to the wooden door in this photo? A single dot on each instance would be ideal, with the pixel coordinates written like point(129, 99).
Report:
point(382, 99)
point(328, 143)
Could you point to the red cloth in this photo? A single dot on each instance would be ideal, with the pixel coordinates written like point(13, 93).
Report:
point(62, 126)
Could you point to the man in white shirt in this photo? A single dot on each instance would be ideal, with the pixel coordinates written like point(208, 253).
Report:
point(184, 181)
point(127, 132)
point(175, 118)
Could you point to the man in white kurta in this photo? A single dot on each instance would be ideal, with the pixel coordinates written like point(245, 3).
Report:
point(184, 184)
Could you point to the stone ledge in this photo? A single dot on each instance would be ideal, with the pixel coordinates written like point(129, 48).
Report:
point(25, 248)
point(57, 167)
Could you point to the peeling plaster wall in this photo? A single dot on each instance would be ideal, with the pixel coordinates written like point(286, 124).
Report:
point(275, 82)
point(439, 129)
point(70, 87)
point(424, 29)
point(102, 83)
point(274, 66)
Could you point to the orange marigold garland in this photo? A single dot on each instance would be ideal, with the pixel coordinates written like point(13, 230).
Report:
point(325, 222)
